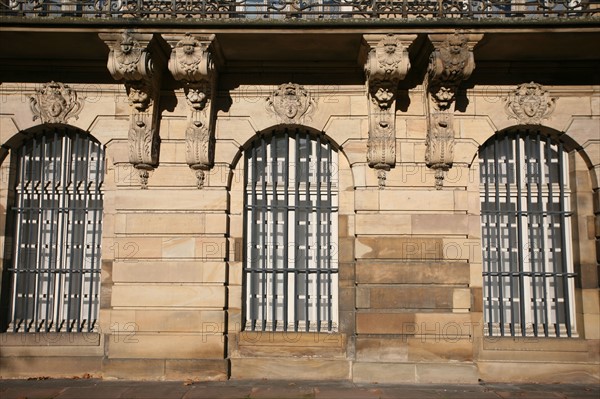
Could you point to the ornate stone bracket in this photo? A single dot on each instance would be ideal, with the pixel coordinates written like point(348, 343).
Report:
point(450, 63)
point(386, 65)
point(192, 63)
point(55, 103)
point(138, 60)
point(529, 103)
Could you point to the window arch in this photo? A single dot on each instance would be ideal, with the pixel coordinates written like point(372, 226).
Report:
point(526, 236)
point(57, 219)
point(291, 206)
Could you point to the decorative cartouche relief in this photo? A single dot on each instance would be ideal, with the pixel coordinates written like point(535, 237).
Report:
point(450, 63)
point(386, 65)
point(291, 103)
point(137, 60)
point(192, 63)
point(55, 103)
point(529, 103)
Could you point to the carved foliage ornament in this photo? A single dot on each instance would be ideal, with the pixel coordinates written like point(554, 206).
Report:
point(291, 103)
point(387, 64)
point(191, 62)
point(529, 103)
point(55, 103)
point(130, 60)
point(439, 143)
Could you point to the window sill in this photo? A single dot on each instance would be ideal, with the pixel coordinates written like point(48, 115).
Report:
point(535, 344)
point(50, 339)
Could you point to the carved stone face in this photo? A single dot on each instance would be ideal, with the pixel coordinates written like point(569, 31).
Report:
point(530, 105)
point(390, 48)
point(126, 47)
point(188, 48)
point(455, 46)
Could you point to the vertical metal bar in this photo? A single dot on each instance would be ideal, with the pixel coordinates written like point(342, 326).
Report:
point(254, 256)
point(328, 216)
point(17, 264)
point(521, 264)
point(63, 233)
point(563, 243)
point(486, 214)
point(509, 213)
point(499, 239)
point(553, 232)
point(264, 246)
point(296, 227)
point(308, 207)
point(97, 195)
point(40, 238)
point(274, 210)
point(50, 296)
point(83, 157)
point(531, 217)
point(286, 182)
point(318, 240)
point(73, 209)
point(29, 264)
point(540, 179)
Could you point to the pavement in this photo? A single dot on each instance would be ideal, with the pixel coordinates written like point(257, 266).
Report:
point(265, 389)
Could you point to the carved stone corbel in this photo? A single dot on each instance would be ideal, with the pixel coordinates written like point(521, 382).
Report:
point(450, 63)
point(138, 60)
point(192, 63)
point(386, 65)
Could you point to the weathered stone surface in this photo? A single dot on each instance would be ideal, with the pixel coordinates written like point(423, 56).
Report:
point(169, 272)
point(540, 372)
point(168, 295)
point(382, 349)
point(196, 370)
point(288, 368)
point(406, 248)
point(411, 297)
point(56, 366)
point(436, 373)
point(384, 373)
point(376, 272)
point(166, 346)
point(385, 323)
point(135, 369)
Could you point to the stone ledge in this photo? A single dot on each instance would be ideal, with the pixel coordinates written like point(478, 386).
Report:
point(535, 344)
point(50, 339)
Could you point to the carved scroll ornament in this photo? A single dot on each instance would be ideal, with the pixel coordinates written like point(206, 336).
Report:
point(291, 103)
point(55, 103)
point(529, 103)
point(191, 62)
point(387, 63)
point(134, 59)
point(450, 63)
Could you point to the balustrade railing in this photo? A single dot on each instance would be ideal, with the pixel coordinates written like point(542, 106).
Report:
point(301, 9)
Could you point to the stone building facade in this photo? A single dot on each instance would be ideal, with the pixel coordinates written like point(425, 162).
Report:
point(326, 190)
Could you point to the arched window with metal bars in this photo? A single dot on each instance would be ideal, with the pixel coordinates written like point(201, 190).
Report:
point(291, 206)
point(528, 279)
point(57, 218)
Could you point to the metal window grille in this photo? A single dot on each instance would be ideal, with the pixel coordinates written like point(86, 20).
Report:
point(291, 234)
point(525, 217)
point(58, 217)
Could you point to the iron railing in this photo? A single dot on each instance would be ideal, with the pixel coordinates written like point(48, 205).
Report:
point(301, 9)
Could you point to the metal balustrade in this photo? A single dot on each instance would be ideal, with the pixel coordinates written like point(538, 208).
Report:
point(298, 9)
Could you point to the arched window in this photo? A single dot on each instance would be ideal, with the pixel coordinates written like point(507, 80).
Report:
point(526, 231)
point(57, 214)
point(291, 207)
